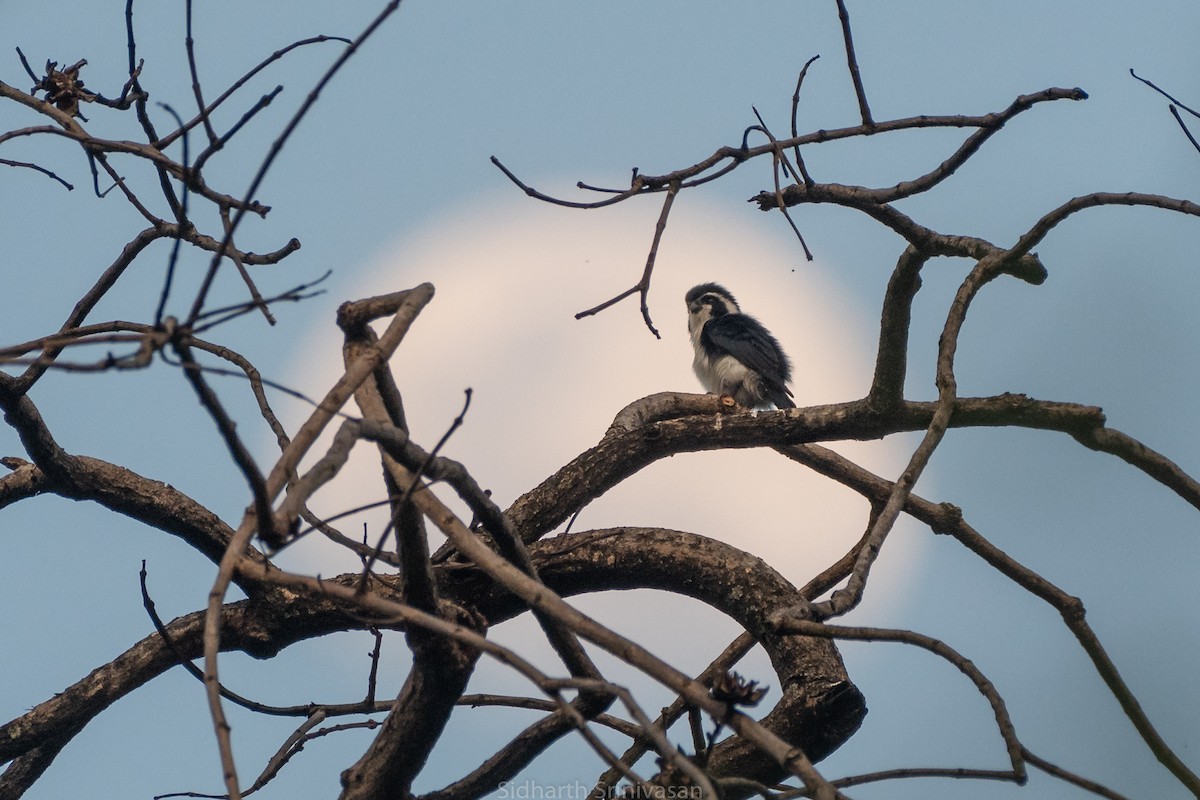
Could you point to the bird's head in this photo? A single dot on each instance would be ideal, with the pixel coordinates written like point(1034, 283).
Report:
point(708, 301)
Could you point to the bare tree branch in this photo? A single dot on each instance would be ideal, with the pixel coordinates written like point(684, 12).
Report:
point(276, 147)
point(25, 164)
point(790, 623)
point(503, 563)
point(407, 306)
point(852, 64)
point(945, 518)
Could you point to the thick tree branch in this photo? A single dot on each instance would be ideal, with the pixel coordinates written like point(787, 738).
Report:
point(638, 437)
point(438, 678)
point(261, 627)
point(891, 360)
point(848, 597)
point(407, 305)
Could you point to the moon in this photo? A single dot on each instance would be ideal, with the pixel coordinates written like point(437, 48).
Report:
point(510, 275)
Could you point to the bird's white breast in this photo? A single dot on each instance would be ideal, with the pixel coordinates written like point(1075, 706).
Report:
point(722, 374)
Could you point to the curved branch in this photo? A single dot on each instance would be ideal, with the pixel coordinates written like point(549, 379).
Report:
point(637, 187)
point(95, 145)
point(789, 623)
point(804, 176)
point(25, 770)
point(1076, 204)
point(993, 124)
point(536, 594)
point(848, 597)
point(736, 583)
point(1027, 267)
point(819, 707)
point(260, 627)
point(637, 439)
point(948, 519)
point(694, 175)
point(1148, 460)
point(8, 162)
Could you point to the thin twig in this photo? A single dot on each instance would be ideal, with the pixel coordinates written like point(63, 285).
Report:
point(182, 217)
point(237, 449)
point(1186, 131)
point(415, 482)
point(508, 701)
point(277, 147)
point(642, 287)
point(624, 194)
point(960, 773)
point(233, 697)
point(944, 518)
point(807, 627)
point(256, 299)
point(1070, 777)
point(217, 145)
point(240, 82)
point(795, 113)
point(33, 76)
point(1174, 101)
point(852, 64)
point(408, 305)
point(778, 160)
point(189, 46)
point(27, 165)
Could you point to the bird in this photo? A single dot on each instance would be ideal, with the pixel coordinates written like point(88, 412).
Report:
point(734, 354)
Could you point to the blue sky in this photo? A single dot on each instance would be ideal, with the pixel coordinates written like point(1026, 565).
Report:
point(388, 184)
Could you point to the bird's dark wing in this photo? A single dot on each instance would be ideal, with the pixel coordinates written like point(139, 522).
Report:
point(745, 338)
